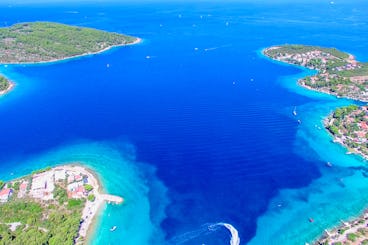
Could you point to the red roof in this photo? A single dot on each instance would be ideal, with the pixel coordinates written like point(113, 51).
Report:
point(80, 189)
point(363, 125)
point(23, 186)
point(5, 192)
point(78, 177)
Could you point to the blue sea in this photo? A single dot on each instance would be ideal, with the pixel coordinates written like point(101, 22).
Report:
point(193, 126)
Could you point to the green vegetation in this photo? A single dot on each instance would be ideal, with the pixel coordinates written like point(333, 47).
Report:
point(88, 187)
point(4, 83)
point(351, 236)
point(297, 49)
point(350, 125)
point(343, 111)
point(46, 41)
point(91, 198)
point(16, 186)
point(41, 170)
point(362, 71)
point(60, 194)
point(2, 183)
point(338, 72)
point(39, 223)
point(75, 203)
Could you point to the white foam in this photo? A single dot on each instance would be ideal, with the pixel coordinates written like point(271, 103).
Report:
point(207, 229)
point(235, 239)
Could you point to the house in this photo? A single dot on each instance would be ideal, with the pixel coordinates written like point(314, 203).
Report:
point(79, 192)
point(5, 194)
point(22, 189)
point(60, 174)
point(23, 186)
point(78, 177)
point(363, 125)
point(43, 185)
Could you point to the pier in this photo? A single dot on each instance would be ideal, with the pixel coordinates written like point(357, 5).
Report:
point(112, 199)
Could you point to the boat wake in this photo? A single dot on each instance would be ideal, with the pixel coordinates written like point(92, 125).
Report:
point(205, 230)
point(214, 48)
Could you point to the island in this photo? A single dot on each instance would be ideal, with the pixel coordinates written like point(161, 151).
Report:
point(338, 73)
point(5, 85)
point(51, 206)
point(35, 42)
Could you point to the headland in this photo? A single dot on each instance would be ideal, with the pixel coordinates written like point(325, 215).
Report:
point(52, 206)
point(338, 74)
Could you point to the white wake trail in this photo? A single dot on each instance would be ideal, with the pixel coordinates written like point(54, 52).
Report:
point(235, 239)
point(205, 230)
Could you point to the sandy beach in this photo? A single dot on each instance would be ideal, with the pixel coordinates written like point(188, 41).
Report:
point(91, 209)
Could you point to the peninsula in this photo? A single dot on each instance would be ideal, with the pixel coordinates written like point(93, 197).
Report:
point(50, 206)
point(35, 42)
point(5, 85)
point(338, 74)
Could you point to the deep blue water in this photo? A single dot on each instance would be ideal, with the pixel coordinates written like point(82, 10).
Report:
point(215, 123)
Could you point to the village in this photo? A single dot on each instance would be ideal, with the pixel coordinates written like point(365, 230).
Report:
point(338, 73)
point(349, 126)
point(59, 186)
point(42, 185)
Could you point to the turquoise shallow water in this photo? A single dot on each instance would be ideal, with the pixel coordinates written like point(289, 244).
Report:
point(200, 135)
point(120, 174)
point(325, 199)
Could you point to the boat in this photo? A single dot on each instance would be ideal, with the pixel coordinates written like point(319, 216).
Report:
point(294, 111)
point(328, 164)
point(311, 220)
point(113, 228)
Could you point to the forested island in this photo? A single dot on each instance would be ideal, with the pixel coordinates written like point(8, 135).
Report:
point(5, 85)
point(50, 206)
point(338, 72)
point(34, 42)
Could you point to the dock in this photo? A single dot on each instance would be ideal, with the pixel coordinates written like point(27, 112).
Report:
point(112, 199)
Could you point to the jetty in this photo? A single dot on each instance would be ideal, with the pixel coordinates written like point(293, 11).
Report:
point(112, 198)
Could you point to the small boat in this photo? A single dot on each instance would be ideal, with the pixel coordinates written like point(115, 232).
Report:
point(294, 111)
point(328, 164)
point(311, 220)
point(299, 121)
point(113, 228)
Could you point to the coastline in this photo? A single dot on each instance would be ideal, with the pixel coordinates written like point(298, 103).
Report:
point(9, 89)
point(339, 233)
point(357, 224)
point(92, 209)
point(350, 59)
point(339, 140)
point(137, 41)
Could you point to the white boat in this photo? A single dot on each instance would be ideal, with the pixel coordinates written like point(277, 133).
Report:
point(294, 111)
point(113, 228)
point(328, 164)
